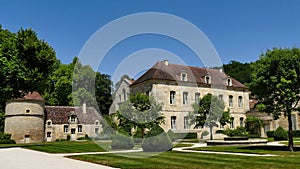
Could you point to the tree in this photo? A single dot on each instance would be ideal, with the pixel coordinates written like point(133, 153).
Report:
point(276, 81)
point(140, 111)
point(25, 65)
point(209, 112)
point(103, 86)
point(239, 71)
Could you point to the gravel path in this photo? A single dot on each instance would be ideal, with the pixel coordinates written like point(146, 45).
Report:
point(19, 158)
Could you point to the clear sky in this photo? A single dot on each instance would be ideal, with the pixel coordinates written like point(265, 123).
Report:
point(239, 30)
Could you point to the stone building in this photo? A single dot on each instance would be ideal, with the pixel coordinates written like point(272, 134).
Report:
point(121, 94)
point(29, 120)
point(269, 124)
point(179, 86)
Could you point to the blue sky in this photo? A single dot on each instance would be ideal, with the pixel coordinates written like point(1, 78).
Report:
point(239, 30)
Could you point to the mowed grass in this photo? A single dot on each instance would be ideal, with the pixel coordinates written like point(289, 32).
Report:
point(63, 146)
point(174, 159)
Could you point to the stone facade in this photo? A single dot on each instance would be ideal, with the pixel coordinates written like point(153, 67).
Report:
point(121, 94)
point(177, 92)
point(28, 120)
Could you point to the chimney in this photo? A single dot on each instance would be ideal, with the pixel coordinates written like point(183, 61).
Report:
point(166, 62)
point(221, 70)
point(84, 108)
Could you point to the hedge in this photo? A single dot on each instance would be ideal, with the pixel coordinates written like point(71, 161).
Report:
point(296, 133)
point(280, 134)
point(157, 140)
point(5, 139)
point(174, 136)
point(121, 141)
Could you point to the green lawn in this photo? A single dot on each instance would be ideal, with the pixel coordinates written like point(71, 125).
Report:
point(182, 145)
point(174, 159)
point(63, 146)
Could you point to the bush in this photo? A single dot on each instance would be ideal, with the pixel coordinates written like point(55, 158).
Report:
point(280, 134)
point(68, 137)
point(270, 134)
point(157, 140)
point(253, 124)
point(240, 131)
point(7, 141)
point(122, 141)
point(172, 135)
point(296, 133)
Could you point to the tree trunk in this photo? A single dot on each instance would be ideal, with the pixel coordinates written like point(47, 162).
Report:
point(211, 134)
point(291, 143)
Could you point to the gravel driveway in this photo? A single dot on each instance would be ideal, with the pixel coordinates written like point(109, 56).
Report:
point(19, 158)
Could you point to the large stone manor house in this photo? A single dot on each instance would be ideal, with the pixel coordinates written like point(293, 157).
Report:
point(179, 86)
point(29, 120)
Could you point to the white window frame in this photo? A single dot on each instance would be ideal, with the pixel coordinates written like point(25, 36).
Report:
point(185, 98)
point(240, 101)
point(172, 97)
point(173, 122)
point(66, 128)
point(184, 77)
point(197, 97)
point(230, 101)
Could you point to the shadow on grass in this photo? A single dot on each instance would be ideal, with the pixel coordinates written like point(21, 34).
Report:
point(269, 148)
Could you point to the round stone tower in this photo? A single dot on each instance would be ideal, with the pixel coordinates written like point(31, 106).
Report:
point(25, 119)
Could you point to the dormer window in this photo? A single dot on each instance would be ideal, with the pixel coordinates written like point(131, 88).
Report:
point(184, 77)
point(73, 119)
point(229, 82)
point(207, 79)
point(49, 122)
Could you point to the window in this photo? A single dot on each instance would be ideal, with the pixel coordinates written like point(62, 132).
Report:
point(241, 122)
point(79, 128)
point(27, 110)
point(183, 76)
point(120, 98)
point(294, 122)
point(96, 130)
point(66, 128)
point(49, 123)
point(185, 123)
point(185, 98)
point(73, 119)
point(96, 122)
point(240, 101)
point(229, 83)
point(124, 94)
point(172, 97)
point(230, 102)
point(220, 97)
point(73, 131)
point(232, 122)
point(173, 122)
point(197, 98)
point(48, 134)
point(207, 79)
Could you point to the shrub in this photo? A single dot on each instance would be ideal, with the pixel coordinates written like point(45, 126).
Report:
point(7, 141)
point(296, 133)
point(253, 124)
point(122, 141)
point(239, 131)
point(157, 140)
point(270, 134)
point(280, 134)
point(172, 135)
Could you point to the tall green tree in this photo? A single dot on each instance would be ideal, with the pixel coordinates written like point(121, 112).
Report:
point(209, 112)
point(276, 84)
point(25, 65)
point(140, 111)
point(103, 86)
point(239, 71)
